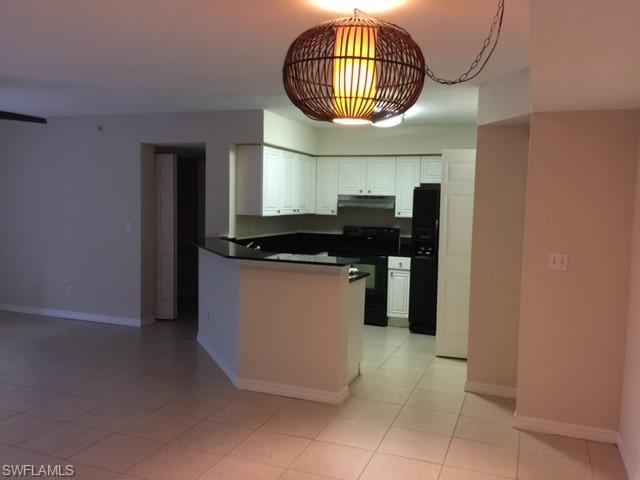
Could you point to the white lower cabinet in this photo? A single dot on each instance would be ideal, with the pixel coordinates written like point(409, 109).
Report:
point(398, 282)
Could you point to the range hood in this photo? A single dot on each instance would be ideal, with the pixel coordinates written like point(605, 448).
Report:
point(366, 201)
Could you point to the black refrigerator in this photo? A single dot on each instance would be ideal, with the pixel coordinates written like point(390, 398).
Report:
point(423, 292)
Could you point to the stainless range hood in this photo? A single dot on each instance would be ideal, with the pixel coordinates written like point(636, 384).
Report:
point(366, 201)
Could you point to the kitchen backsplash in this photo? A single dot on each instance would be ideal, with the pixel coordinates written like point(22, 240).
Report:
point(249, 226)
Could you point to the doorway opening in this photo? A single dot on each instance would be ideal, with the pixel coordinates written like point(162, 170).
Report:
point(173, 220)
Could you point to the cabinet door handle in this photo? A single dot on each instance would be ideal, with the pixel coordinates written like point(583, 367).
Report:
point(278, 211)
point(333, 211)
point(369, 191)
point(360, 191)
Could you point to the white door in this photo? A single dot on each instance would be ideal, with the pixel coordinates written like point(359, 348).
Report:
point(407, 178)
point(431, 170)
point(272, 169)
point(353, 176)
point(398, 294)
point(454, 266)
point(166, 307)
point(381, 176)
point(327, 186)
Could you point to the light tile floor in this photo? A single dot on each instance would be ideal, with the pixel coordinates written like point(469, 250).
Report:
point(122, 403)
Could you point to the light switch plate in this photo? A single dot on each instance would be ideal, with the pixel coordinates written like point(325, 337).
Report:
point(558, 262)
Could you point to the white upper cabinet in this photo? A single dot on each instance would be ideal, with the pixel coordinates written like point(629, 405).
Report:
point(381, 176)
point(367, 176)
point(311, 184)
point(290, 178)
point(407, 178)
point(271, 181)
point(259, 185)
point(431, 170)
point(353, 176)
point(327, 186)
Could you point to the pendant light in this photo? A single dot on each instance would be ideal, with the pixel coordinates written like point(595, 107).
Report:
point(354, 70)
point(360, 70)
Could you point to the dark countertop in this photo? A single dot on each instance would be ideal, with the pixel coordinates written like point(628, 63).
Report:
point(229, 249)
point(312, 243)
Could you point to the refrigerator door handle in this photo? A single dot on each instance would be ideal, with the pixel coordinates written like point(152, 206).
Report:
point(437, 223)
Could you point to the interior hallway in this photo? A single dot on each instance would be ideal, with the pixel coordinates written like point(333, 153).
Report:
point(149, 403)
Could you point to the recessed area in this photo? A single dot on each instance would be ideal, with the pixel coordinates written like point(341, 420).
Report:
point(370, 6)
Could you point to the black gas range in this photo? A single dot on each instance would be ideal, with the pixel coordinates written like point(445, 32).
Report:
point(373, 246)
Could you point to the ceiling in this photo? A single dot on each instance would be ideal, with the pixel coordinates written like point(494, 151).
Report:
point(80, 57)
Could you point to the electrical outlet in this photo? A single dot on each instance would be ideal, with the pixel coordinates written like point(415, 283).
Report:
point(129, 227)
point(558, 262)
point(69, 291)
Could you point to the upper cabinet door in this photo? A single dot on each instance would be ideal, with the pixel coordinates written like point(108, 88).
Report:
point(407, 178)
point(431, 170)
point(327, 186)
point(381, 176)
point(311, 187)
point(353, 174)
point(272, 184)
point(289, 179)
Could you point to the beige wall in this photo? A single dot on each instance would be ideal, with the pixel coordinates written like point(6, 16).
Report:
point(501, 174)
point(630, 414)
point(580, 193)
point(505, 99)
point(68, 189)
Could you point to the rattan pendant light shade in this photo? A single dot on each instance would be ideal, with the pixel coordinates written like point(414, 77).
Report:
point(354, 70)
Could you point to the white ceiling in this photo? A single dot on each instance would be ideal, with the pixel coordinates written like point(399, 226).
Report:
point(78, 57)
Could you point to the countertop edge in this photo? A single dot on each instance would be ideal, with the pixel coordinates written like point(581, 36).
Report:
point(244, 253)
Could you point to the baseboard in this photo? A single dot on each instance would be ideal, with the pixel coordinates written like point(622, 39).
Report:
point(490, 389)
point(633, 470)
point(323, 396)
point(73, 315)
point(228, 371)
point(566, 429)
point(284, 390)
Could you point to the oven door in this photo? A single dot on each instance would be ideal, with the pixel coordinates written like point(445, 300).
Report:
point(375, 306)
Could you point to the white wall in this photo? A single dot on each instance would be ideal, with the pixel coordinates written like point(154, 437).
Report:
point(398, 140)
point(68, 189)
point(283, 132)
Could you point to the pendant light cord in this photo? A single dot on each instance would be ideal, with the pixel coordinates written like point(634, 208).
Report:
point(489, 45)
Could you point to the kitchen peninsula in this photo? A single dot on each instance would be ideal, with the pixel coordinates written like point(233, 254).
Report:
point(280, 323)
